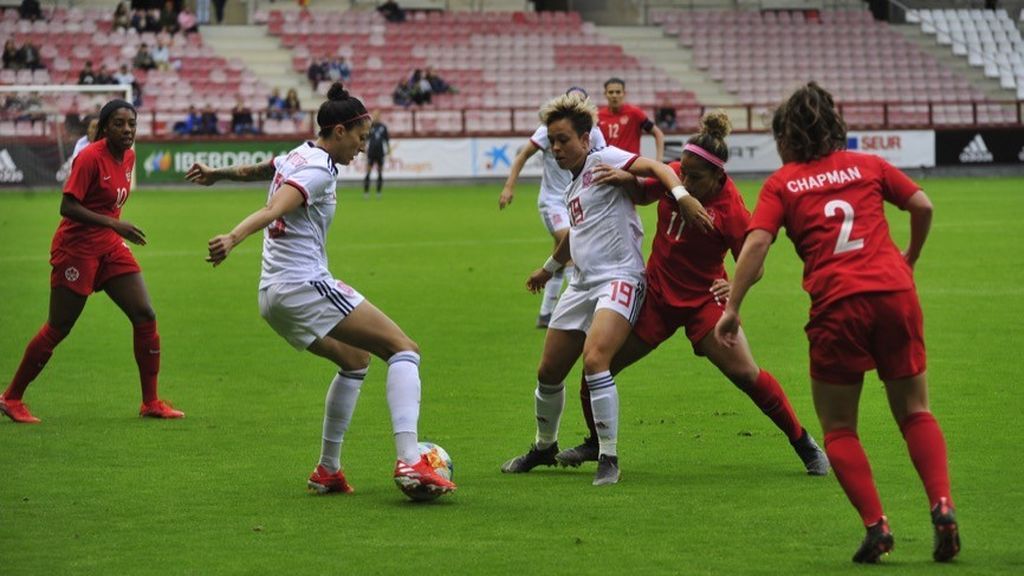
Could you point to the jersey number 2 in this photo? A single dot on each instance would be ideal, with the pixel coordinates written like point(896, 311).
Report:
point(843, 243)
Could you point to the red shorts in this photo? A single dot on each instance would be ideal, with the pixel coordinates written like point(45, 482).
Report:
point(87, 274)
point(883, 330)
point(659, 320)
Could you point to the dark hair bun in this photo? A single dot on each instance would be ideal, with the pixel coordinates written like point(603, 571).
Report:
point(337, 92)
point(716, 124)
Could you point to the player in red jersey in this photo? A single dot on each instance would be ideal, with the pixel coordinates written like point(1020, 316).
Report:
point(687, 286)
point(622, 123)
point(864, 308)
point(88, 254)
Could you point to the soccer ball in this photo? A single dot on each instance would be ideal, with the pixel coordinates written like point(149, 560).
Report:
point(440, 462)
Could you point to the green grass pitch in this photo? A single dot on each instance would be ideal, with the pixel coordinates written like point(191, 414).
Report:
point(708, 485)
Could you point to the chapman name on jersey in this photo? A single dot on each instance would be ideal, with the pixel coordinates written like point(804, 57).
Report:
point(605, 233)
point(295, 245)
point(555, 180)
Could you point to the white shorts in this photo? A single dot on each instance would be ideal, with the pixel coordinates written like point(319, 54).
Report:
point(305, 312)
point(576, 308)
point(554, 215)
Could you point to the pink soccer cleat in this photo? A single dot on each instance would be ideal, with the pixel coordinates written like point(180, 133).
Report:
point(421, 475)
point(159, 409)
point(323, 481)
point(17, 411)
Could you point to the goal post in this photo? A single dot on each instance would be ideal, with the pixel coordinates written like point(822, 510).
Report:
point(39, 125)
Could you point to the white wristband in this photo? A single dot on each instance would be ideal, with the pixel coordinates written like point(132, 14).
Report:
point(551, 265)
point(679, 193)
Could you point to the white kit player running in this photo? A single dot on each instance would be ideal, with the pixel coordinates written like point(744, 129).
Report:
point(312, 310)
point(596, 313)
point(550, 201)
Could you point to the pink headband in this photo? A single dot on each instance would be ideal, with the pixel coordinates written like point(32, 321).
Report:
point(714, 160)
point(346, 122)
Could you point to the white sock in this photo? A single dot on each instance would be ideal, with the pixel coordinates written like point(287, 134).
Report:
point(338, 407)
point(604, 401)
point(550, 399)
point(403, 391)
point(552, 290)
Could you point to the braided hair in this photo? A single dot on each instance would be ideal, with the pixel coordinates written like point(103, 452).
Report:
point(808, 125)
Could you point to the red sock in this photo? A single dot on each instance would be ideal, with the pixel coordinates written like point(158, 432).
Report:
point(37, 354)
point(771, 399)
point(147, 356)
point(853, 471)
point(928, 452)
point(588, 411)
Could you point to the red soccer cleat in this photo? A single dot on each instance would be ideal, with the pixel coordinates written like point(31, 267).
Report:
point(421, 475)
point(17, 411)
point(159, 409)
point(323, 481)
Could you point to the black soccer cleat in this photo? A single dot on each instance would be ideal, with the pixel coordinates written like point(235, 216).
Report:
point(585, 452)
point(535, 457)
point(877, 543)
point(947, 535)
point(813, 457)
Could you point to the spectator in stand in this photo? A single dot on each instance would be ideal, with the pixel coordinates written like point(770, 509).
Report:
point(419, 87)
point(122, 17)
point(275, 105)
point(144, 58)
point(87, 76)
point(391, 11)
point(208, 121)
point(401, 95)
point(339, 70)
point(104, 76)
point(161, 54)
point(203, 11)
point(30, 58)
point(437, 84)
point(169, 18)
point(124, 76)
point(30, 10)
point(665, 118)
point(138, 20)
point(12, 59)
point(190, 125)
point(316, 73)
point(292, 106)
point(31, 109)
point(241, 118)
point(187, 22)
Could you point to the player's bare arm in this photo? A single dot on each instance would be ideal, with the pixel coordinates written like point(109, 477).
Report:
point(920, 208)
point(72, 209)
point(509, 191)
point(659, 143)
point(286, 199)
point(558, 259)
point(691, 208)
point(749, 265)
point(205, 176)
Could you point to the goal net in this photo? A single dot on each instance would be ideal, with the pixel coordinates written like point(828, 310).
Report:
point(39, 126)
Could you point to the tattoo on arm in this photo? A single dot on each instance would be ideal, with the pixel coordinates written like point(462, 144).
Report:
point(248, 172)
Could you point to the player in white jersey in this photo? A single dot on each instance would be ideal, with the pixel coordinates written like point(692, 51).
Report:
point(91, 124)
point(596, 314)
point(308, 307)
point(550, 201)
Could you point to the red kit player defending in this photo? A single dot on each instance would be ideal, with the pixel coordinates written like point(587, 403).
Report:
point(89, 254)
point(864, 309)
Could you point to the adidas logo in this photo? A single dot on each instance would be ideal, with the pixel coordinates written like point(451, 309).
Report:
point(8, 169)
point(976, 151)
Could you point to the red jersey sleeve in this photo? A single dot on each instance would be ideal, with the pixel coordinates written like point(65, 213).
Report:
point(769, 214)
point(651, 189)
point(641, 119)
point(897, 187)
point(84, 172)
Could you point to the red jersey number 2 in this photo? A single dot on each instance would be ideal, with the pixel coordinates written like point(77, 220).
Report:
point(622, 293)
point(843, 242)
